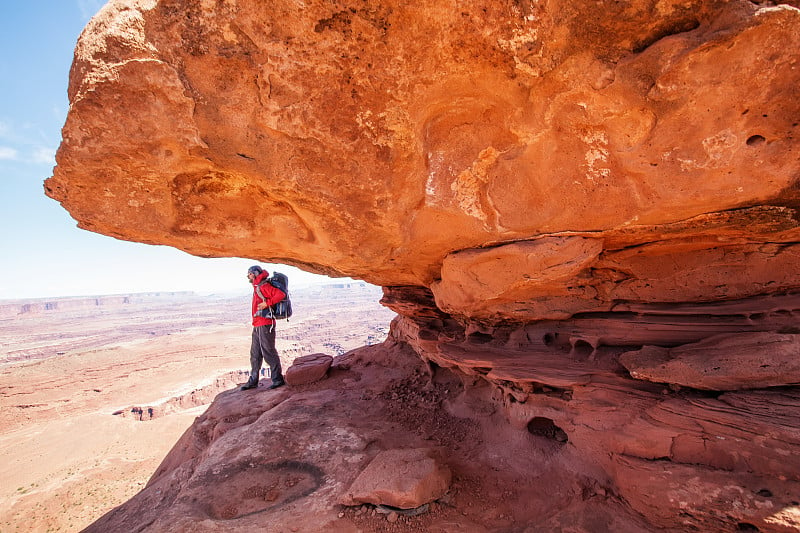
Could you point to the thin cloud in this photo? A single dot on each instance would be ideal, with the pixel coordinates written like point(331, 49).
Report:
point(7, 153)
point(43, 155)
point(5, 129)
point(10, 132)
point(27, 143)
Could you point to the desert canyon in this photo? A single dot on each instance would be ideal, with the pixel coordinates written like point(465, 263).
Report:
point(583, 213)
point(90, 407)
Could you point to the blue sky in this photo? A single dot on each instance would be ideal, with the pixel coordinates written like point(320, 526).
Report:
point(43, 252)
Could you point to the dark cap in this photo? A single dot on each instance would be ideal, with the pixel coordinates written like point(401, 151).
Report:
point(255, 270)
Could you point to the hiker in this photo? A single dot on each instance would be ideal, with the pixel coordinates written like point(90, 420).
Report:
point(263, 344)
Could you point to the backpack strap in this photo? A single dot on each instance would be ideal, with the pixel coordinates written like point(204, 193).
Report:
point(257, 288)
point(258, 291)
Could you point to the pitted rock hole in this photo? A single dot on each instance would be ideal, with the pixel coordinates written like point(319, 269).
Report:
point(544, 427)
point(245, 489)
point(557, 342)
point(755, 140)
point(744, 526)
point(550, 339)
point(582, 350)
point(479, 338)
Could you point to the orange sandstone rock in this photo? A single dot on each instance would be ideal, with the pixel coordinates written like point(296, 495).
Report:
point(538, 186)
point(725, 362)
point(390, 141)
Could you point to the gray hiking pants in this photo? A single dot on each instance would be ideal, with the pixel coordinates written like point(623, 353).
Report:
point(263, 348)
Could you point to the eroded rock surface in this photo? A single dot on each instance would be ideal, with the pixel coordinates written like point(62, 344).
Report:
point(725, 362)
point(399, 143)
point(577, 447)
point(540, 188)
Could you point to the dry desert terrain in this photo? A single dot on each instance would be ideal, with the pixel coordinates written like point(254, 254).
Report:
point(95, 391)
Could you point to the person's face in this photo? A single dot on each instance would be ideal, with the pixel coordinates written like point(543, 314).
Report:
point(251, 277)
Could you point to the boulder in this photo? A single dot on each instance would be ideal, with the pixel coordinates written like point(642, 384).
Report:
point(308, 369)
point(405, 479)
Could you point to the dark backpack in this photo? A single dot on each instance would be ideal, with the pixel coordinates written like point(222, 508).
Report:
point(282, 309)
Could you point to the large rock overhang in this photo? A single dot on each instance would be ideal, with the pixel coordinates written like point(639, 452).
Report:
point(523, 161)
point(576, 202)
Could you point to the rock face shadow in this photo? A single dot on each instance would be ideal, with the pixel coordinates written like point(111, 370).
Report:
point(245, 489)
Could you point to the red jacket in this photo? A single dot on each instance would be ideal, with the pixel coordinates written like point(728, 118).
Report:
point(272, 294)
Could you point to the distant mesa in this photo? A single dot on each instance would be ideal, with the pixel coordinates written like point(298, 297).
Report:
point(10, 308)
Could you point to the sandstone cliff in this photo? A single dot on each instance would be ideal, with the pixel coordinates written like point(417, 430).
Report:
point(585, 213)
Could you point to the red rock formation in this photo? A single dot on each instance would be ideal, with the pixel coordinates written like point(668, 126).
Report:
point(308, 369)
point(725, 362)
point(302, 134)
point(540, 187)
point(403, 478)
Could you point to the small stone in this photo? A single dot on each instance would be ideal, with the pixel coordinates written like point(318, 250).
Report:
point(341, 515)
point(391, 517)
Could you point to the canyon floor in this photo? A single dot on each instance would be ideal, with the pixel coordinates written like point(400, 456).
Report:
point(92, 398)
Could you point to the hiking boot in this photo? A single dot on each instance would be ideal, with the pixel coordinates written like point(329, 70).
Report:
point(250, 384)
point(277, 383)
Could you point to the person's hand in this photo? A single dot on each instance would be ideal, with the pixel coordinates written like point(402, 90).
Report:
point(261, 306)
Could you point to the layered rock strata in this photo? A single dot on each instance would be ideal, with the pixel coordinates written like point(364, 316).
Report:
point(589, 208)
point(695, 451)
